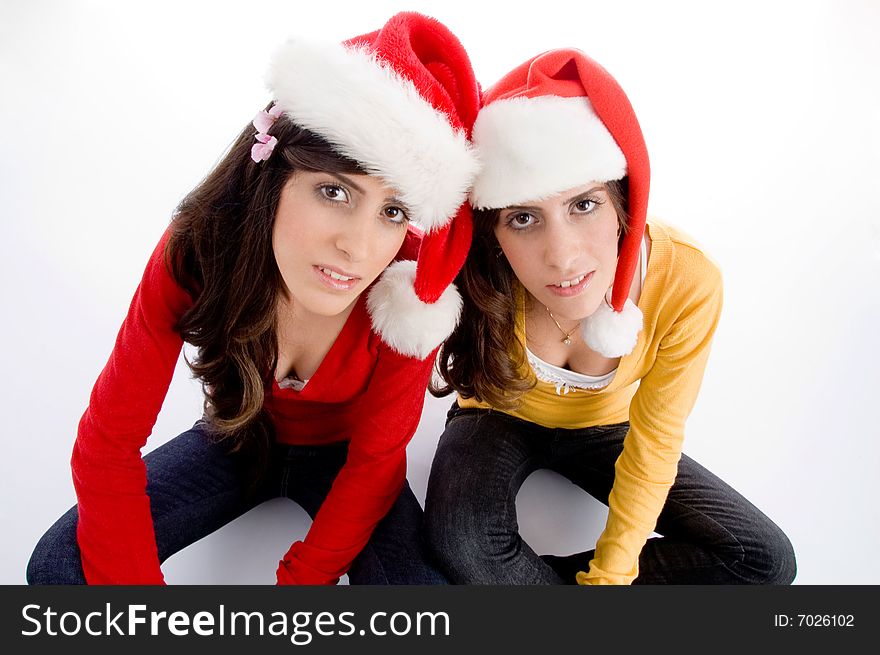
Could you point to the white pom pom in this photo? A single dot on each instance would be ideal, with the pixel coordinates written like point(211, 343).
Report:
point(610, 333)
point(408, 325)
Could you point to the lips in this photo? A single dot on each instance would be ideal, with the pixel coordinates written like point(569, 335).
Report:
point(571, 283)
point(572, 286)
point(335, 278)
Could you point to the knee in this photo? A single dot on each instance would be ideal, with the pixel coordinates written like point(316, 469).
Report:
point(442, 532)
point(470, 518)
point(779, 564)
point(468, 547)
point(768, 559)
point(56, 558)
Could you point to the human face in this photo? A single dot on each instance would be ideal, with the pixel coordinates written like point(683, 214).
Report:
point(564, 249)
point(334, 234)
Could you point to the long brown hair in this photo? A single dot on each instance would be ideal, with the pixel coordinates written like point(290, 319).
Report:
point(482, 359)
point(220, 251)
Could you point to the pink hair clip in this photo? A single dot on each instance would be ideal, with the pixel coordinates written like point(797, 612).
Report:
point(263, 121)
point(262, 150)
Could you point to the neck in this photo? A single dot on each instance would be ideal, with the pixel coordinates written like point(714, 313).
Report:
point(546, 342)
point(293, 316)
point(561, 324)
point(304, 338)
point(541, 313)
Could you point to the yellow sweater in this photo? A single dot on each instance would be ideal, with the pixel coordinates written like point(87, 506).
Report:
point(654, 388)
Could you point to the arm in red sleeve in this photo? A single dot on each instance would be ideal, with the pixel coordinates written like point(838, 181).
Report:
point(115, 529)
point(370, 481)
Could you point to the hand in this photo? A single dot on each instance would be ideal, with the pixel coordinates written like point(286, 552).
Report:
point(283, 576)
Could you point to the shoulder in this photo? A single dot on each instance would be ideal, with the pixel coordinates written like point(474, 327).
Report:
point(686, 293)
point(159, 289)
point(686, 261)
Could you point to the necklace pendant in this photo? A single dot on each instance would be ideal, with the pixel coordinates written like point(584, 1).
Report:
point(567, 338)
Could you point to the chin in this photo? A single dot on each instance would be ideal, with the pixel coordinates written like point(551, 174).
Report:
point(574, 309)
point(324, 304)
point(335, 308)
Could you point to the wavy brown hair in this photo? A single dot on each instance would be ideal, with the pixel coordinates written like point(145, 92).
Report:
point(482, 358)
point(220, 251)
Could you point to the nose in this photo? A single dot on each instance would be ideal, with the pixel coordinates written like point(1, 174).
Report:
point(356, 235)
point(561, 246)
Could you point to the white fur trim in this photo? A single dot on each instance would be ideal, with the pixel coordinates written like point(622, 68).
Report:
point(405, 323)
point(534, 148)
point(610, 333)
point(375, 116)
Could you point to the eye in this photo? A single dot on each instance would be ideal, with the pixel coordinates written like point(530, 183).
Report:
point(334, 193)
point(520, 220)
point(584, 206)
point(395, 214)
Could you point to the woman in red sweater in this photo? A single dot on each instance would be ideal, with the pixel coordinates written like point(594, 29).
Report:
point(316, 307)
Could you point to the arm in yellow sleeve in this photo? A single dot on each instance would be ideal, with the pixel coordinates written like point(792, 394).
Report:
point(647, 467)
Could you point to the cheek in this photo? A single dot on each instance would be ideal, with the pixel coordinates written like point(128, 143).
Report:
point(295, 233)
point(292, 247)
point(521, 259)
point(602, 239)
point(283, 236)
point(517, 262)
point(278, 241)
point(387, 245)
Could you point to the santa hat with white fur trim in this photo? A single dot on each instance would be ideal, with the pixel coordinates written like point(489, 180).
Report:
point(400, 101)
point(558, 121)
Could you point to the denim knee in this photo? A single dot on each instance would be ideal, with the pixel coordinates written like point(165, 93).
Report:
point(766, 558)
point(451, 550)
point(56, 558)
point(440, 535)
point(779, 565)
point(466, 548)
point(470, 518)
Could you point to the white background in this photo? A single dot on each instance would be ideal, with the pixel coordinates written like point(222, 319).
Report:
point(762, 123)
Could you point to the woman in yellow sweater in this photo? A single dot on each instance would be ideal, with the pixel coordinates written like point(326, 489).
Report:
point(581, 349)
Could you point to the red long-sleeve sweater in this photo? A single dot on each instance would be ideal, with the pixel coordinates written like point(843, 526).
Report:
point(363, 392)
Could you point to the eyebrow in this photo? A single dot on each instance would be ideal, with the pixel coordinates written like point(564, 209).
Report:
point(348, 181)
point(359, 189)
point(568, 201)
point(581, 196)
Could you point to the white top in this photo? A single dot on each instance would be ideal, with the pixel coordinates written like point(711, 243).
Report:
point(569, 381)
point(291, 382)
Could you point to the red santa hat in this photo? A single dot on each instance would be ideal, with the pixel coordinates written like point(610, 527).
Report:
point(400, 101)
point(558, 121)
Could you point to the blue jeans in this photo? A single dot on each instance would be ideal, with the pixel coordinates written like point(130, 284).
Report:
point(710, 534)
point(195, 488)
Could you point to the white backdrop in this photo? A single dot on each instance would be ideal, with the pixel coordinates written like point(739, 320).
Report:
point(761, 119)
